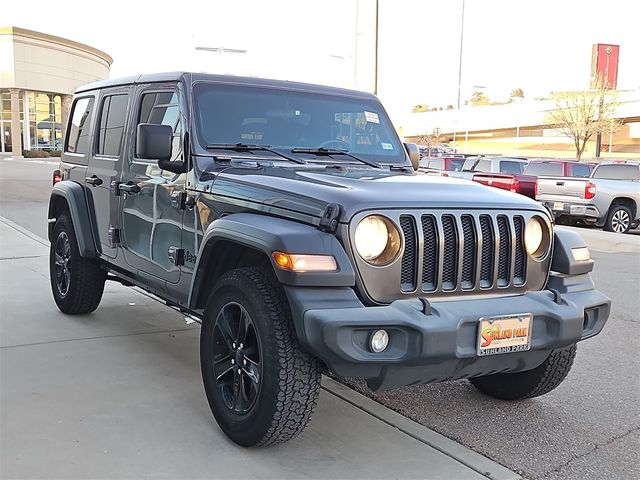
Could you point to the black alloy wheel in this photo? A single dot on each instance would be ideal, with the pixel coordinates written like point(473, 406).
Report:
point(261, 386)
point(236, 361)
point(77, 282)
point(62, 273)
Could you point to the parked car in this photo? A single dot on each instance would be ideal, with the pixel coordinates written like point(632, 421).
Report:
point(559, 168)
point(443, 164)
point(609, 198)
point(318, 249)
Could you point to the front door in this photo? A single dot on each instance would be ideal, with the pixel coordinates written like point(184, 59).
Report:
point(152, 216)
point(105, 165)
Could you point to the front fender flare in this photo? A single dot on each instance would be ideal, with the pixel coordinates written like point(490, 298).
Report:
point(268, 234)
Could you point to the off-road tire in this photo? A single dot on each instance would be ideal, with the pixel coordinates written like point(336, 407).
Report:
point(530, 383)
point(616, 211)
point(290, 378)
point(86, 278)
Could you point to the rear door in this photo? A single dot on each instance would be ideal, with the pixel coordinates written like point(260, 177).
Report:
point(152, 216)
point(105, 165)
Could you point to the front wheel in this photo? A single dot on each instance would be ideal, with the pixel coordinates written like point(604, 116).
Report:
point(261, 387)
point(530, 383)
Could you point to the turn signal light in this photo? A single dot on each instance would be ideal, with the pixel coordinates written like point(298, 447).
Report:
point(305, 263)
point(57, 176)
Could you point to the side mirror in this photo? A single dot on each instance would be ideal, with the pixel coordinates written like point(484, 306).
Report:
point(414, 154)
point(153, 142)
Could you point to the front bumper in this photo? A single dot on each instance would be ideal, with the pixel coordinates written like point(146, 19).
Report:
point(439, 346)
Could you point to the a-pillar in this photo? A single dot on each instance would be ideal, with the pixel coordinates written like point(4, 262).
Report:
point(16, 136)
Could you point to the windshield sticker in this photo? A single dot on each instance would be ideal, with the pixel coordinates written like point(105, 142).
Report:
point(371, 117)
point(386, 146)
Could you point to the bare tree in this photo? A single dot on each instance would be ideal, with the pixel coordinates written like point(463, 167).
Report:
point(431, 139)
point(581, 115)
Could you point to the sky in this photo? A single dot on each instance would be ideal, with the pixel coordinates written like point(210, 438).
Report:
point(538, 46)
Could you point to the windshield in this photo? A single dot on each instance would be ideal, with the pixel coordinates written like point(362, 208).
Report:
point(285, 119)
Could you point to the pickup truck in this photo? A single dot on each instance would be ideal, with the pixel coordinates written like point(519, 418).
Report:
point(525, 184)
point(559, 168)
point(609, 198)
point(474, 165)
point(522, 184)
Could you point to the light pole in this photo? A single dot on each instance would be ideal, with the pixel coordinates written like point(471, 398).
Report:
point(460, 58)
point(375, 74)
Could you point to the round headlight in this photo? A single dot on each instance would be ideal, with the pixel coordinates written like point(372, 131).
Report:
point(536, 237)
point(377, 240)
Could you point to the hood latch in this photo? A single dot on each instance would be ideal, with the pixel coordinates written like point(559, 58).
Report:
point(330, 216)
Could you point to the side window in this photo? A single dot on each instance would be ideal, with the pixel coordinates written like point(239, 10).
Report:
point(78, 138)
point(483, 166)
point(580, 171)
point(113, 115)
point(161, 108)
point(508, 166)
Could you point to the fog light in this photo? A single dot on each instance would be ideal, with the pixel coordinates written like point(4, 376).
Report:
point(379, 341)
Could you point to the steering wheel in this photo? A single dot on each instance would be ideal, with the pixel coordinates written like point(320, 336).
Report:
point(337, 144)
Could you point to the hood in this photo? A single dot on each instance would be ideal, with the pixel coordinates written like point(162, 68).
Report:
point(309, 189)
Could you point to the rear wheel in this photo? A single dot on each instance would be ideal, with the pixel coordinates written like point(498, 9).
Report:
point(77, 283)
point(619, 219)
point(261, 387)
point(530, 383)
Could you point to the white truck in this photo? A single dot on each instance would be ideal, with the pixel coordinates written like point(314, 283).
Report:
point(610, 198)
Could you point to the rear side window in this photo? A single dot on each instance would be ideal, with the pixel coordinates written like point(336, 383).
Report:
point(508, 166)
point(617, 172)
point(78, 139)
point(456, 165)
point(437, 164)
point(580, 170)
point(483, 166)
point(113, 115)
point(541, 169)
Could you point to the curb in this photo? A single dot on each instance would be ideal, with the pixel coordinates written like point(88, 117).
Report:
point(473, 460)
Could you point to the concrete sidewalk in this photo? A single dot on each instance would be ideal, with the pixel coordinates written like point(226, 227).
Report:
point(118, 394)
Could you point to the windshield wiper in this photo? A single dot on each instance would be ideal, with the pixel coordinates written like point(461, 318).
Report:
point(246, 147)
point(333, 151)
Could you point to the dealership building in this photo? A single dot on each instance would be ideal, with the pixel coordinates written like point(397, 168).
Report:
point(38, 74)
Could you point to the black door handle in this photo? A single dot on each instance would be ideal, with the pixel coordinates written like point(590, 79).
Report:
point(129, 187)
point(94, 180)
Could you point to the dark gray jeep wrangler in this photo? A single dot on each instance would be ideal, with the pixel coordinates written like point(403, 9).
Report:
point(288, 218)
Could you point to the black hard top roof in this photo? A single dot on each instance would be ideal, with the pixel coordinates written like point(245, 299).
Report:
point(226, 79)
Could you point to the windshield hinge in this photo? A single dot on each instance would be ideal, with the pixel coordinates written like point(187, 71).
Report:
point(329, 220)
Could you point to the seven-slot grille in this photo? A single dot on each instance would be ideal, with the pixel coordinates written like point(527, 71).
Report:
point(462, 252)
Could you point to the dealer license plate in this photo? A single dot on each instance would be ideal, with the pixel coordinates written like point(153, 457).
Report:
point(504, 334)
point(558, 205)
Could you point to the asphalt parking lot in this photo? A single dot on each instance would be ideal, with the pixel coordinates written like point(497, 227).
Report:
point(118, 394)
